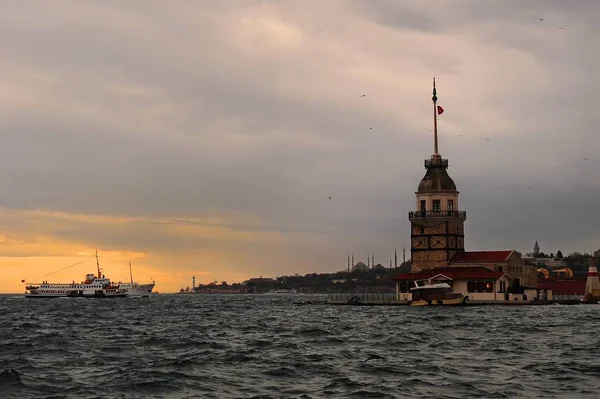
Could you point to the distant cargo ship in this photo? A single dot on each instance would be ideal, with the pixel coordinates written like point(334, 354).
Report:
point(94, 286)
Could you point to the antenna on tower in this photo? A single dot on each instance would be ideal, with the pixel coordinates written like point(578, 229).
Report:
point(435, 115)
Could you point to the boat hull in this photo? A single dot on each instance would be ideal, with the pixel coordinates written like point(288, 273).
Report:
point(139, 289)
point(441, 302)
point(79, 295)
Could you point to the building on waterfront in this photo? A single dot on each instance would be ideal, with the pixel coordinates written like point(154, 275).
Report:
point(478, 282)
point(540, 260)
point(522, 274)
point(438, 238)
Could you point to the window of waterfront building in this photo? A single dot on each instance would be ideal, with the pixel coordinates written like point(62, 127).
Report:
point(437, 206)
point(450, 205)
point(423, 205)
point(480, 286)
point(404, 286)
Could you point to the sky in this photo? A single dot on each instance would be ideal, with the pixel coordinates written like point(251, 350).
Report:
point(205, 138)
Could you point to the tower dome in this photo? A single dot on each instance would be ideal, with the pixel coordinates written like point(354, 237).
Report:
point(436, 179)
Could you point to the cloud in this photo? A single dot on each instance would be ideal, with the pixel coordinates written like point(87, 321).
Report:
point(213, 133)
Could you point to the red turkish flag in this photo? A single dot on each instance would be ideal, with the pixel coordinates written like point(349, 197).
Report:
point(440, 110)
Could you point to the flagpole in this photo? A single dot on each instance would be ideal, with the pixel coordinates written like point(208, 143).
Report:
point(435, 133)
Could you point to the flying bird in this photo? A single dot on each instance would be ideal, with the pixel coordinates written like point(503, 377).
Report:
point(585, 159)
point(541, 19)
point(558, 28)
point(460, 135)
point(488, 139)
point(363, 95)
point(370, 128)
point(329, 197)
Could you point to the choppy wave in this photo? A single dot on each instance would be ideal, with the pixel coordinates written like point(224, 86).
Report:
point(201, 346)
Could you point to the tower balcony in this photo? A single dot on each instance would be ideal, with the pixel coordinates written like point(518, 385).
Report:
point(415, 215)
point(436, 163)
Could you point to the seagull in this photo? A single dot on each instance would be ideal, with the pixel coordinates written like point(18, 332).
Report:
point(558, 28)
point(529, 187)
point(460, 135)
point(488, 139)
point(370, 128)
point(329, 197)
point(363, 95)
point(585, 159)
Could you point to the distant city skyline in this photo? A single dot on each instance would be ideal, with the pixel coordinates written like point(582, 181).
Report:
point(230, 140)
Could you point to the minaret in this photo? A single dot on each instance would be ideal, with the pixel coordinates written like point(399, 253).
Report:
point(403, 254)
point(348, 262)
point(352, 261)
point(536, 249)
point(396, 258)
point(193, 281)
point(390, 263)
point(372, 260)
point(437, 226)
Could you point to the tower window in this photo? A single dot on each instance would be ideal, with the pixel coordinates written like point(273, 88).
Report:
point(423, 205)
point(437, 206)
point(450, 205)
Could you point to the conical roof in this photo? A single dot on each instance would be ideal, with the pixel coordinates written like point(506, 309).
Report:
point(436, 178)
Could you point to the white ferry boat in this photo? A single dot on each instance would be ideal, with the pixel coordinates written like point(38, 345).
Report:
point(92, 287)
point(136, 289)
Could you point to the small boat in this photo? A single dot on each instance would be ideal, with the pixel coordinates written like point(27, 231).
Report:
point(438, 294)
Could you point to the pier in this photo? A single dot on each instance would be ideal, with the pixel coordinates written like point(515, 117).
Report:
point(391, 299)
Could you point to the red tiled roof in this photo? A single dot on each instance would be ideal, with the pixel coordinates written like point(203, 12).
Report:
point(480, 256)
point(453, 273)
point(563, 287)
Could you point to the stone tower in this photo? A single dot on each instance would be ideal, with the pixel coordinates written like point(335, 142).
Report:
point(536, 249)
point(437, 225)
